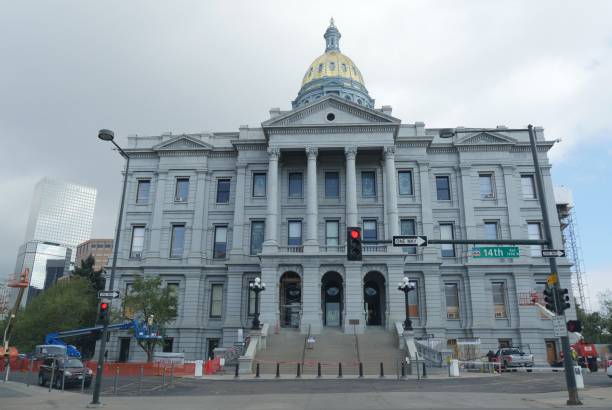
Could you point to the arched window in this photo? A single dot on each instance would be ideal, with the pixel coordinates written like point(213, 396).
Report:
point(343, 67)
point(359, 101)
point(320, 67)
point(332, 66)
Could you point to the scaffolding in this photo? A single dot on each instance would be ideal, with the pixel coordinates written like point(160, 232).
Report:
point(572, 245)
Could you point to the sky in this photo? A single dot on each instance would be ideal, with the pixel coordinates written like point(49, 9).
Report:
point(146, 67)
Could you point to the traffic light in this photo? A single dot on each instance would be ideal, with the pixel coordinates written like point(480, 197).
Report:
point(353, 244)
point(563, 300)
point(549, 299)
point(574, 326)
point(102, 312)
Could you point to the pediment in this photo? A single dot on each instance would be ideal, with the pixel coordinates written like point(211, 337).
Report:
point(182, 143)
point(486, 138)
point(344, 113)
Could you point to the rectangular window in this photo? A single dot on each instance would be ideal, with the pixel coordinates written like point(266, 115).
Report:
point(451, 293)
point(368, 184)
point(332, 184)
point(177, 242)
point(491, 230)
point(223, 191)
point(370, 231)
point(413, 300)
point(535, 232)
point(332, 232)
point(528, 187)
point(486, 186)
point(257, 236)
point(259, 184)
point(137, 245)
point(443, 188)
point(182, 190)
point(296, 185)
point(142, 194)
point(405, 182)
point(408, 227)
point(216, 300)
point(499, 299)
point(167, 344)
point(251, 301)
point(220, 245)
point(447, 232)
point(295, 233)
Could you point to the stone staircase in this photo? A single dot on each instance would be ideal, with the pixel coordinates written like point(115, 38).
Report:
point(331, 347)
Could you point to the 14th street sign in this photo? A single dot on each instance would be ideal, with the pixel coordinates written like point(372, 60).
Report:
point(553, 253)
point(108, 294)
point(409, 240)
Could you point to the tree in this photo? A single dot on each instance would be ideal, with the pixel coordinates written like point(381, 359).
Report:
point(86, 270)
point(68, 304)
point(148, 299)
point(597, 326)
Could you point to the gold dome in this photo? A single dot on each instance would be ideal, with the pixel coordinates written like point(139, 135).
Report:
point(332, 64)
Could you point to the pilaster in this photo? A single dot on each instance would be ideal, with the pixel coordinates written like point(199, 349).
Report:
point(311, 244)
point(270, 244)
point(468, 205)
point(351, 186)
point(353, 298)
point(238, 225)
point(198, 217)
point(391, 192)
point(158, 213)
point(311, 299)
point(429, 252)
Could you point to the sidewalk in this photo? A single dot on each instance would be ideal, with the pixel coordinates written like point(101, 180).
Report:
point(14, 396)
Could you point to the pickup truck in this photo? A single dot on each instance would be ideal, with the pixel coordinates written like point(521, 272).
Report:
point(513, 357)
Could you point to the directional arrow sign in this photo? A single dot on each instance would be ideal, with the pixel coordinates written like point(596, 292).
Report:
point(409, 240)
point(108, 294)
point(553, 253)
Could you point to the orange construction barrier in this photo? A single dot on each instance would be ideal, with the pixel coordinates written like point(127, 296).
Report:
point(211, 366)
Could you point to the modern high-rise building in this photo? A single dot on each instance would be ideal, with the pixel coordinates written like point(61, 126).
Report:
point(100, 249)
point(61, 217)
point(210, 212)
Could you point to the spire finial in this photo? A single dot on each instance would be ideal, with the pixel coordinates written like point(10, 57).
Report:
point(332, 37)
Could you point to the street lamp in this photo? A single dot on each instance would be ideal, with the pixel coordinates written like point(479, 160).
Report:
point(406, 286)
point(257, 286)
point(109, 136)
point(567, 360)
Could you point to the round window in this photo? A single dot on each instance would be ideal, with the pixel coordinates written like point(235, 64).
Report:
point(331, 116)
point(370, 291)
point(333, 291)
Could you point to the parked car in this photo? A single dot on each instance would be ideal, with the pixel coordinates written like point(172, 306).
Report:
point(513, 357)
point(70, 369)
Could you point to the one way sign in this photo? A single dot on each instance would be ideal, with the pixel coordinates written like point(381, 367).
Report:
point(409, 240)
point(553, 253)
point(108, 294)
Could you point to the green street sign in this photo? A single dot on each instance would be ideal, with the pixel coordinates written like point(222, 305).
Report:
point(496, 252)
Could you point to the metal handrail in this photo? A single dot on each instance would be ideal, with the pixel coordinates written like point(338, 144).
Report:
point(304, 348)
point(356, 343)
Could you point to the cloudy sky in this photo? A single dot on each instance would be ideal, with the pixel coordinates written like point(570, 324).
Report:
point(70, 68)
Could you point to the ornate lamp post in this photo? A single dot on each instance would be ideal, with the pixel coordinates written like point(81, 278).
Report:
point(257, 286)
point(406, 286)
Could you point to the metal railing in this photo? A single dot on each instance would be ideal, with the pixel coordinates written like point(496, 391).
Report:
point(291, 249)
point(332, 248)
point(432, 351)
point(375, 248)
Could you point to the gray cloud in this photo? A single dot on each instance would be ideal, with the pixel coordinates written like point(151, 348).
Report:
point(70, 68)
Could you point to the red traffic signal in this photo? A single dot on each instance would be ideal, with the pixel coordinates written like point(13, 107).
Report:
point(355, 234)
point(353, 244)
point(103, 306)
point(102, 312)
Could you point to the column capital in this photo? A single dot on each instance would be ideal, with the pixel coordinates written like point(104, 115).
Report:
point(389, 152)
point(273, 152)
point(350, 152)
point(312, 152)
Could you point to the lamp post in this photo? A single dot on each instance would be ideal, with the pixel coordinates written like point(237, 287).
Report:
point(109, 136)
point(257, 286)
point(565, 345)
point(406, 286)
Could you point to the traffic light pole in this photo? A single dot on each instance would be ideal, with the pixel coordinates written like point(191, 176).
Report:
point(95, 402)
point(568, 364)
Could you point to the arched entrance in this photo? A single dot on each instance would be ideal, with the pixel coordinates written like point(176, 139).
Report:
point(374, 298)
point(332, 298)
point(290, 299)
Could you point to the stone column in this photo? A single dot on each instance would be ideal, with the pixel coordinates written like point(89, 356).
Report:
point(238, 226)
point(391, 197)
point(351, 186)
point(198, 218)
point(271, 236)
point(429, 252)
point(158, 211)
point(311, 244)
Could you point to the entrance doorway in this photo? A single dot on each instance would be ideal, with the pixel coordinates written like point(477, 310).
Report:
point(290, 300)
point(551, 351)
point(332, 295)
point(374, 298)
point(124, 349)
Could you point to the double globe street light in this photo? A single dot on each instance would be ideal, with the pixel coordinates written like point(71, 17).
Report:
point(406, 286)
point(257, 286)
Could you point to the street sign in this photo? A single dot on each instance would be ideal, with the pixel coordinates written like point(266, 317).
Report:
point(553, 253)
point(559, 326)
point(552, 279)
point(409, 240)
point(108, 294)
point(496, 252)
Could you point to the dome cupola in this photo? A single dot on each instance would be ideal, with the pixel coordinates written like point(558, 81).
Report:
point(333, 73)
